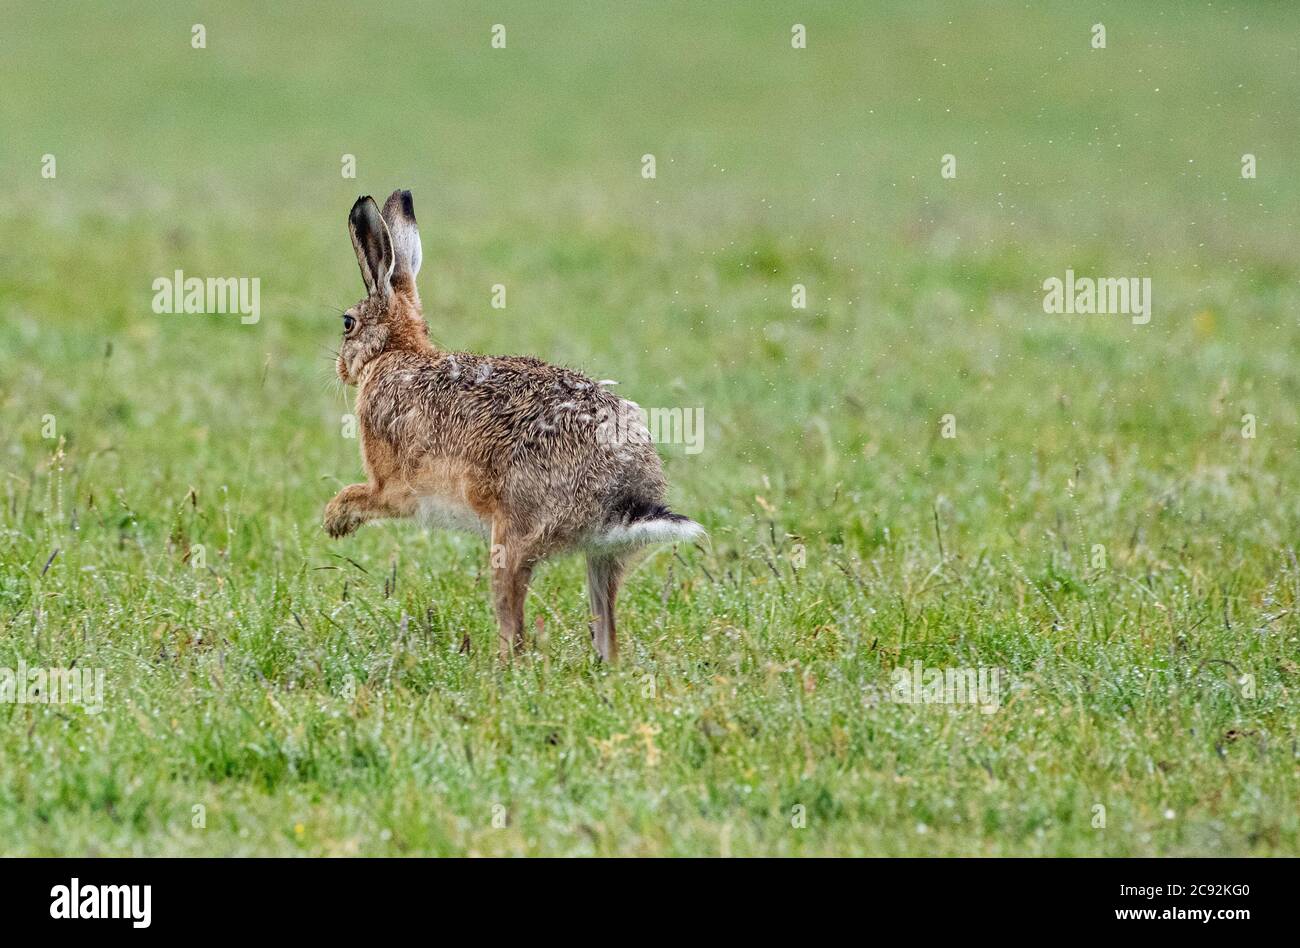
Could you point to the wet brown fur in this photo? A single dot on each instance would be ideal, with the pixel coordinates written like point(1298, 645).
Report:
point(508, 445)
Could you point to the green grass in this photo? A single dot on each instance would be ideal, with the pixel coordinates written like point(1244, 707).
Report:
point(311, 706)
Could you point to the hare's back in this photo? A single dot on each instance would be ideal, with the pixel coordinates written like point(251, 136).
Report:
point(519, 410)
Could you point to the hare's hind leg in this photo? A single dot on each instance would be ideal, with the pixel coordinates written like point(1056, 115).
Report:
point(512, 568)
point(604, 574)
point(509, 589)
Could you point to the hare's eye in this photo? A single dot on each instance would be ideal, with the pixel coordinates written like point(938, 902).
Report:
point(348, 323)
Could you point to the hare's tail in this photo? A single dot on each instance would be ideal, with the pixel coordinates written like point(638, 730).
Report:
point(641, 524)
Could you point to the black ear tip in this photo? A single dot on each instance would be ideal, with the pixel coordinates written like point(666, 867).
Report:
point(399, 208)
point(363, 209)
point(400, 203)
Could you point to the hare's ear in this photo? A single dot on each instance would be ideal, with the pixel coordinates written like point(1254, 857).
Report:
point(374, 246)
point(399, 215)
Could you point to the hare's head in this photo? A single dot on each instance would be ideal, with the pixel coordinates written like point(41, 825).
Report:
point(387, 243)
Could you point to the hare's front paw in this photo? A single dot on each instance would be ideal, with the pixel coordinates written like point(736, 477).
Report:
point(341, 515)
point(339, 523)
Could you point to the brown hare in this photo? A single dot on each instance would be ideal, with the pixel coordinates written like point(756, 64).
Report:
point(537, 458)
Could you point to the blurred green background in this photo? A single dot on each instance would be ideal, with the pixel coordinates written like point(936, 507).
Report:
point(775, 166)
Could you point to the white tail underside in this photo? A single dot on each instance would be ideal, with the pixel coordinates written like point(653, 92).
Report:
point(649, 531)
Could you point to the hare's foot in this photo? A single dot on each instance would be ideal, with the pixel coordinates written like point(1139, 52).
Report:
point(354, 505)
point(509, 589)
point(604, 575)
point(513, 556)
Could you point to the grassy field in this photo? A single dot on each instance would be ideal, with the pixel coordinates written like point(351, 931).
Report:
point(1100, 528)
